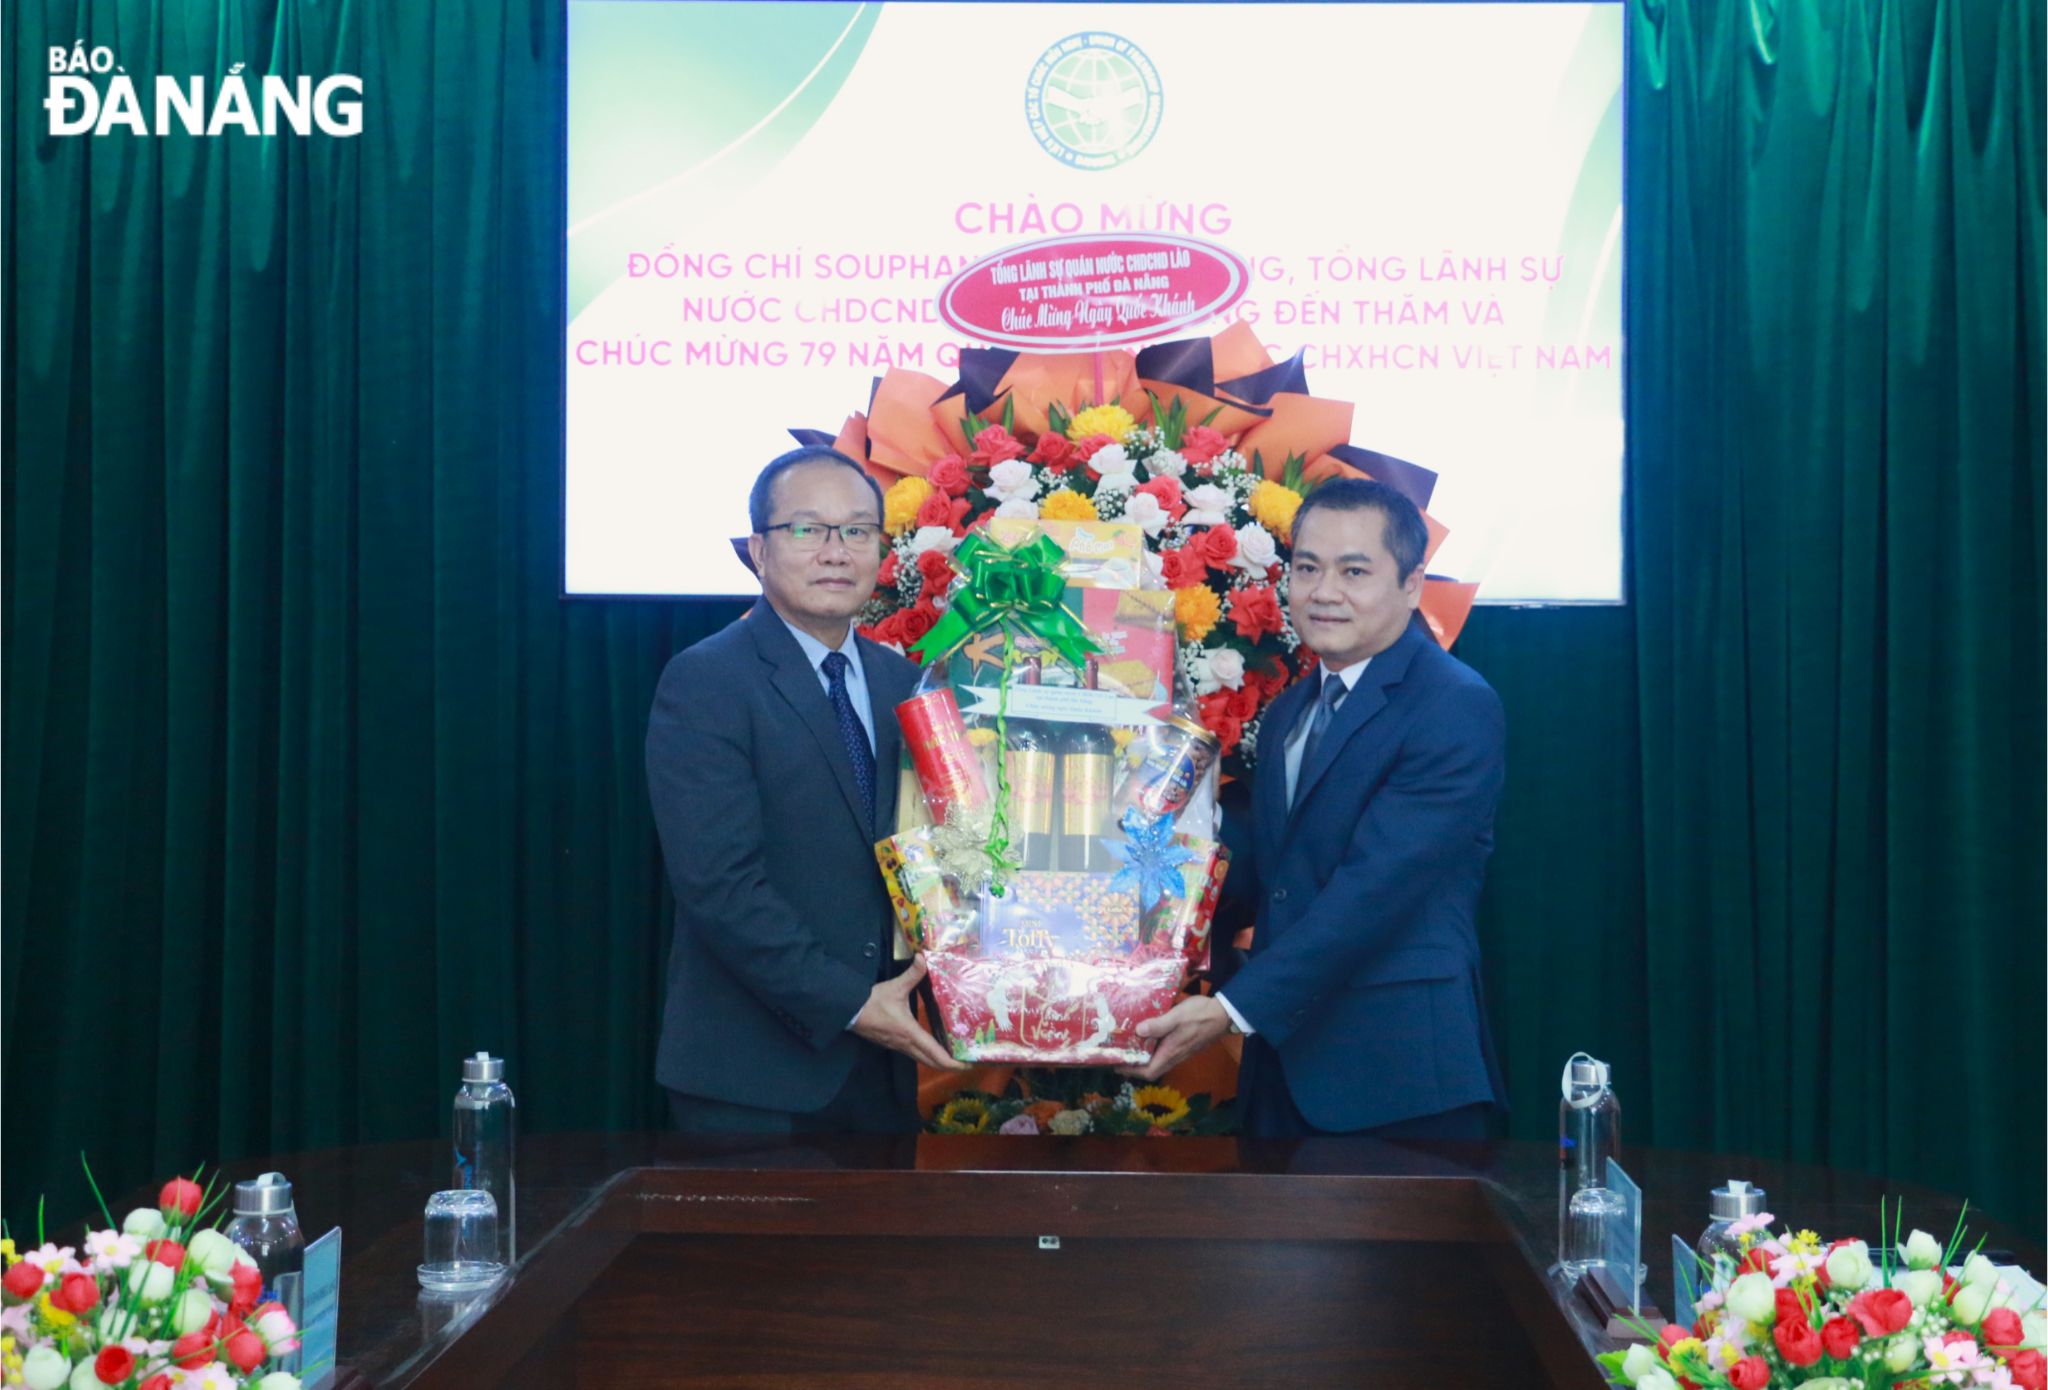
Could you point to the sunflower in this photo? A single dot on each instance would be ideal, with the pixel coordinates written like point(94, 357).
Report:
point(1161, 1106)
point(964, 1115)
point(1112, 420)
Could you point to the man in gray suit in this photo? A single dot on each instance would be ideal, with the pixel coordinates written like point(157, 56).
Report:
point(772, 751)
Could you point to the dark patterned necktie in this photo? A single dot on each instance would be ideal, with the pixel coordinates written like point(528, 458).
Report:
point(851, 729)
point(1333, 694)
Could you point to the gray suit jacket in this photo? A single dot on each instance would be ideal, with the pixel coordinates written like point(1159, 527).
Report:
point(782, 924)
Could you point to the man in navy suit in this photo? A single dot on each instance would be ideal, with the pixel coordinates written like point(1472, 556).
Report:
point(1372, 818)
point(772, 751)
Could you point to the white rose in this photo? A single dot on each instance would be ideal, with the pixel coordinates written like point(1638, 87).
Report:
point(1227, 665)
point(1018, 507)
point(1144, 509)
point(1013, 478)
point(1920, 1285)
point(116, 1324)
point(44, 1368)
point(1971, 1303)
point(193, 1308)
point(932, 538)
point(2035, 1325)
point(1166, 464)
point(151, 1281)
point(1111, 460)
point(85, 1377)
point(1071, 1122)
point(1656, 1378)
point(1204, 678)
point(1902, 1353)
point(278, 1380)
point(1978, 1270)
point(1752, 1298)
point(1921, 1250)
point(1849, 1267)
point(1256, 549)
point(277, 1327)
point(214, 1252)
point(144, 1223)
point(1638, 1363)
point(1208, 505)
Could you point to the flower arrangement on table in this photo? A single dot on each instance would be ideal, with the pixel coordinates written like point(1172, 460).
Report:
point(1092, 1100)
point(1798, 1312)
point(1206, 444)
point(161, 1302)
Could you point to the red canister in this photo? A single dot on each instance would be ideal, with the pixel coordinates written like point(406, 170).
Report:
point(948, 769)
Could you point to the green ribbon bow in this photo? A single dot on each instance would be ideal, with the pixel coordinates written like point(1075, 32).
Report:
point(1021, 586)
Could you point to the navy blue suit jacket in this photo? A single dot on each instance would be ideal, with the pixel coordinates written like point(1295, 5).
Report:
point(1364, 969)
point(782, 924)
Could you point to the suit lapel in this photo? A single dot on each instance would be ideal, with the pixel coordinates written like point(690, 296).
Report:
point(885, 692)
point(1367, 698)
point(796, 680)
point(1269, 808)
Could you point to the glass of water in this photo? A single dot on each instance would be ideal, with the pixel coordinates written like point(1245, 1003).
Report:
point(461, 1242)
point(1591, 1212)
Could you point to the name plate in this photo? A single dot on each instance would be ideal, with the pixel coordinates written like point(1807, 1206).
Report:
point(320, 1319)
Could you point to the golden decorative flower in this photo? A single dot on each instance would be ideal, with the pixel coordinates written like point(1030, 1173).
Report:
point(1273, 506)
point(1112, 420)
point(964, 1115)
point(1067, 505)
point(901, 502)
point(1197, 609)
point(1161, 1106)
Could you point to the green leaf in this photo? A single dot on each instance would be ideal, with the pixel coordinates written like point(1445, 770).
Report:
point(1210, 418)
point(89, 1182)
point(1010, 413)
point(1057, 419)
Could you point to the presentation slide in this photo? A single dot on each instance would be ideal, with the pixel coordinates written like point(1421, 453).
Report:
point(772, 205)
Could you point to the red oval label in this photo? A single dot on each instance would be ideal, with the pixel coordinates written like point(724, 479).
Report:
point(1092, 290)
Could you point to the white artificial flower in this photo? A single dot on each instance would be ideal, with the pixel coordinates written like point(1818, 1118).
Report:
point(1902, 1353)
point(1656, 1378)
point(1257, 551)
point(1971, 1303)
point(1978, 1270)
point(214, 1251)
point(55, 1259)
point(1204, 678)
point(190, 1313)
point(144, 1223)
point(85, 1376)
point(117, 1324)
point(1921, 1250)
point(45, 1368)
point(278, 1380)
point(151, 1282)
point(1144, 509)
point(1753, 1298)
point(1920, 1285)
point(1166, 464)
point(1849, 1266)
point(937, 538)
point(1013, 478)
point(1639, 1361)
point(277, 1328)
point(1227, 665)
point(212, 1376)
point(1115, 468)
point(110, 1250)
point(1208, 505)
point(1794, 1264)
point(1019, 507)
point(2035, 1325)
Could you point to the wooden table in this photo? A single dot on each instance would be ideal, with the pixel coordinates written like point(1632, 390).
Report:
point(650, 1260)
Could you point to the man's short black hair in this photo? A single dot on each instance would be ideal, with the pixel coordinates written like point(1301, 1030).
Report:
point(762, 499)
point(1405, 536)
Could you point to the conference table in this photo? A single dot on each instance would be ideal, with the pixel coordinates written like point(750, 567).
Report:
point(654, 1260)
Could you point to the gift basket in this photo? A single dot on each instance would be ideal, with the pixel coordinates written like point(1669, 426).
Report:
point(1055, 855)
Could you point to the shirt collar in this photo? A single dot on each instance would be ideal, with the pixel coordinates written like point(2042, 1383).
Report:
point(1349, 674)
point(815, 651)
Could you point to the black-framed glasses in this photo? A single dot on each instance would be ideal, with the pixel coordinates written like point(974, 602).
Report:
point(811, 535)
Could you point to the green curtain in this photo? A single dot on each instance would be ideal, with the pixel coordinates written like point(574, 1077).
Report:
point(313, 782)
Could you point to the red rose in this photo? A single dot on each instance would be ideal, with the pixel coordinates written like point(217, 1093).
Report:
point(995, 445)
point(159, 1381)
point(2029, 1370)
point(1244, 703)
point(180, 1197)
point(2002, 1329)
point(1757, 1261)
point(1217, 718)
point(1789, 1306)
point(1881, 1312)
point(885, 577)
point(24, 1281)
point(949, 475)
point(1669, 1336)
point(918, 621)
point(1167, 491)
point(1085, 449)
point(1201, 444)
point(1840, 1336)
point(1750, 1373)
point(1797, 1342)
point(1054, 453)
point(248, 1282)
point(941, 510)
point(937, 571)
point(194, 1349)
point(114, 1365)
point(246, 1350)
point(1183, 566)
point(76, 1293)
point(1217, 546)
point(1256, 611)
point(167, 1253)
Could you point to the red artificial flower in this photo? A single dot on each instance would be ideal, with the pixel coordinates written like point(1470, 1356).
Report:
point(949, 475)
point(1054, 453)
point(159, 1381)
point(1797, 1342)
point(1757, 1261)
point(167, 1253)
point(1201, 444)
point(1840, 1336)
point(1217, 546)
point(75, 1293)
point(2029, 1370)
point(1183, 567)
point(1255, 609)
point(1881, 1312)
point(194, 1349)
point(1669, 1336)
point(936, 569)
point(114, 1365)
point(1789, 1307)
point(918, 621)
point(2002, 1329)
point(1750, 1373)
point(24, 1280)
point(1244, 703)
point(885, 577)
point(246, 1350)
point(1167, 491)
point(180, 1197)
point(995, 445)
point(248, 1287)
point(941, 510)
point(1086, 449)
point(1216, 716)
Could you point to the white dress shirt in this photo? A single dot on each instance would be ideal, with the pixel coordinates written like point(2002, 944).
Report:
point(856, 678)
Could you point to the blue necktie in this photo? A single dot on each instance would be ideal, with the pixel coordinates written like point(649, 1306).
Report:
point(1333, 692)
point(851, 729)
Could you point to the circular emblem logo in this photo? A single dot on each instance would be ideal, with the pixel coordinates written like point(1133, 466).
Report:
point(1092, 100)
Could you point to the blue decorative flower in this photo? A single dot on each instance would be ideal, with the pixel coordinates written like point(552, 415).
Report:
point(1151, 860)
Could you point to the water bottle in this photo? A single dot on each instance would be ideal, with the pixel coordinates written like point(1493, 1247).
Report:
point(1719, 1247)
point(483, 1142)
point(266, 1226)
point(1588, 1130)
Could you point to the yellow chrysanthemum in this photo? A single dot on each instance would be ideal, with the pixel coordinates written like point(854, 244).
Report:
point(900, 504)
point(1805, 1242)
point(1162, 1106)
point(8, 1255)
point(52, 1314)
point(964, 1115)
point(1273, 506)
point(1112, 420)
point(1197, 609)
point(1067, 505)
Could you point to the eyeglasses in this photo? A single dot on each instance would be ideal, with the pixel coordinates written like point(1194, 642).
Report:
point(811, 535)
